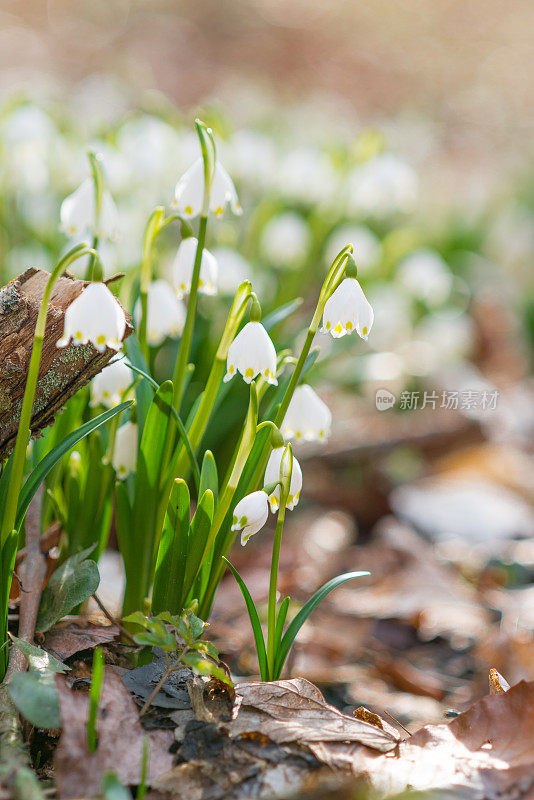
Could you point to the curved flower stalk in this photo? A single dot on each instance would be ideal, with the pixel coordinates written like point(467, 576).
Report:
point(190, 196)
point(95, 316)
point(252, 353)
point(348, 310)
point(165, 313)
point(183, 266)
point(250, 515)
point(109, 387)
point(273, 473)
point(124, 459)
point(307, 418)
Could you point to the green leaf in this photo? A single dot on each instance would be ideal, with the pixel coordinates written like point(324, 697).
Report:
point(297, 623)
point(40, 472)
point(39, 660)
point(208, 477)
point(97, 676)
point(70, 584)
point(137, 618)
point(254, 621)
point(168, 592)
point(282, 614)
point(198, 538)
point(113, 789)
point(35, 696)
point(281, 313)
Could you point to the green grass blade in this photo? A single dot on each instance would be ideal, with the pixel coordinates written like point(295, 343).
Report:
point(281, 313)
point(198, 537)
point(280, 622)
point(40, 472)
point(254, 621)
point(209, 478)
point(297, 623)
point(97, 677)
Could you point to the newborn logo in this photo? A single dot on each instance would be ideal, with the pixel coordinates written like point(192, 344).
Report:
point(384, 399)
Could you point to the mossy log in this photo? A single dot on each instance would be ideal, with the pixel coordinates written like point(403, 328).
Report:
point(62, 371)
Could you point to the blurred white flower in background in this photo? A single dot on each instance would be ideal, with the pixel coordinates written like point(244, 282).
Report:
point(252, 353)
point(251, 158)
point(165, 313)
point(29, 135)
point(307, 418)
point(124, 458)
point(77, 214)
point(306, 174)
point(382, 186)
point(95, 316)
point(285, 240)
point(189, 191)
point(182, 268)
point(393, 313)
point(250, 515)
point(367, 246)
point(426, 276)
point(348, 310)
point(233, 269)
point(272, 475)
point(109, 386)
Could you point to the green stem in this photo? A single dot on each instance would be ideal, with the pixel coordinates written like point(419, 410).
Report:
point(187, 335)
point(273, 590)
point(152, 229)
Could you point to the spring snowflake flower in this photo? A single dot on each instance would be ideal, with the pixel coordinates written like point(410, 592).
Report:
point(307, 418)
point(124, 458)
point(250, 515)
point(95, 316)
point(182, 268)
point(189, 191)
point(77, 214)
point(109, 386)
point(348, 310)
point(165, 313)
point(252, 353)
point(272, 474)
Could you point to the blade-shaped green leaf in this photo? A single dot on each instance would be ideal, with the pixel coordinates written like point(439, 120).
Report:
point(70, 584)
point(281, 313)
point(40, 472)
point(254, 621)
point(297, 623)
point(280, 622)
point(208, 477)
point(172, 552)
point(198, 537)
point(35, 696)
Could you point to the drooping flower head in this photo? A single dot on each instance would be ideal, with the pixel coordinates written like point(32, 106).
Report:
point(165, 313)
point(95, 316)
point(308, 418)
point(78, 213)
point(182, 268)
point(252, 353)
point(109, 386)
point(124, 458)
point(348, 310)
point(189, 191)
point(272, 475)
point(250, 515)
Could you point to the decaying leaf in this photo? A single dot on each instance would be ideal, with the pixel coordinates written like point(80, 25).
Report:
point(68, 638)
point(78, 772)
point(497, 684)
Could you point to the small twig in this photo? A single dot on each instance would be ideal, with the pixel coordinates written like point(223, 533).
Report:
point(113, 619)
point(33, 577)
point(396, 722)
point(170, 669)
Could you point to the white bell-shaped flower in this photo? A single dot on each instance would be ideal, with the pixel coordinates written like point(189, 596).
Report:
point(182, 268)
point(189, 191)
point(250, 515)
point(109, 386)
point(165, 313)
point(252, 353)
point(348, 310)
point(77, 214)
point(95, 316)
point(124, 458)
point(307, 418)
point(272, 475)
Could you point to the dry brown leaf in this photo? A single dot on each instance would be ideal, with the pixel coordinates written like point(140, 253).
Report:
point(78, 772)
point(488, 749)
point(71, 637)
point(296, 711)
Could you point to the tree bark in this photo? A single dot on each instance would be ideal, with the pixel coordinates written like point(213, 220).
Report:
point(62, 371)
